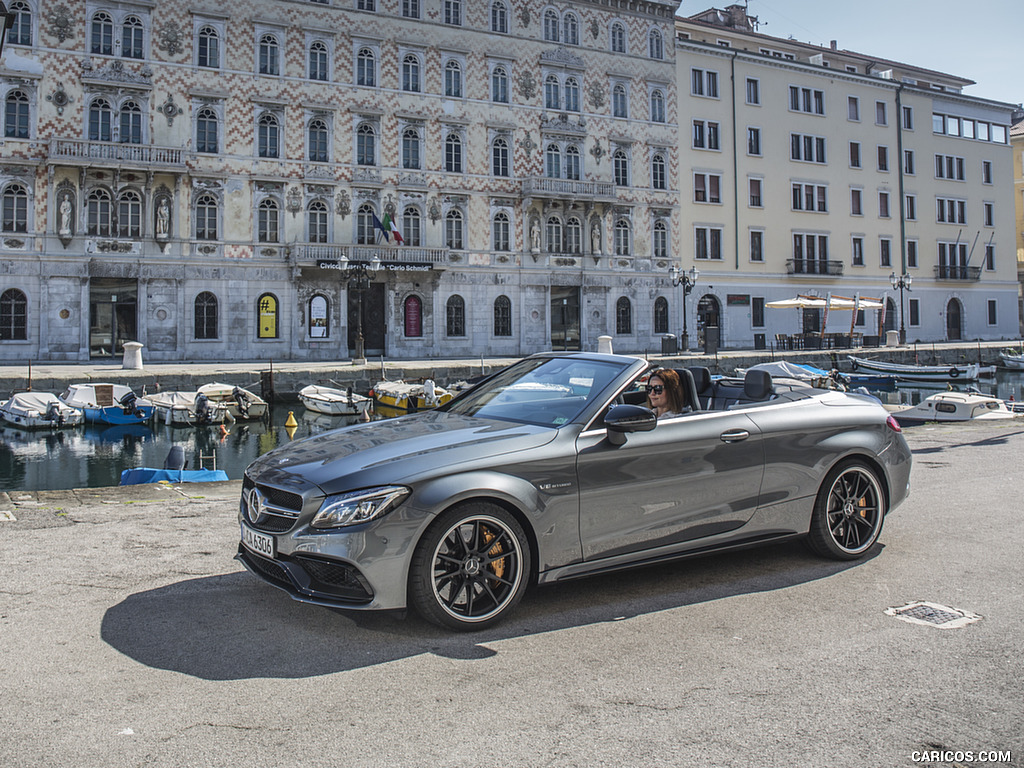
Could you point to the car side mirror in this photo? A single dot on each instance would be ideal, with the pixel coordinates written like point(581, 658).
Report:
point(622, 419)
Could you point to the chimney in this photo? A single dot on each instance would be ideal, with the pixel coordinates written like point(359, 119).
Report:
point(835, 45)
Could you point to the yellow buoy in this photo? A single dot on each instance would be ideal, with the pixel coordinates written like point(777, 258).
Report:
point(291, 422)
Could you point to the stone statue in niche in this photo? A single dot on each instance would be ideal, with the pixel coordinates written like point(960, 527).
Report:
point(66, 209)
point(595, 238)
point(163, 219)
point(535, 237)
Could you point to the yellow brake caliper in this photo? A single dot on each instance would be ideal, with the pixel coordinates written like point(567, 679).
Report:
point(498, 566)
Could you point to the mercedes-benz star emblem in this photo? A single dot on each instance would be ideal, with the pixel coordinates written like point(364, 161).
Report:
point(254, 508)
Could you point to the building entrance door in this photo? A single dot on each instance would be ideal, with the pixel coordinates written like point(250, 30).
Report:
point(565, 318)
point(373, 320)
point(954, 321)
point(113, 315)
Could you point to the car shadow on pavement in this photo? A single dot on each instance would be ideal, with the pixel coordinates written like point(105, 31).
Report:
point(233, 626)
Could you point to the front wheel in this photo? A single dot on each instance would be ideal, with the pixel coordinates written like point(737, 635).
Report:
point(470, 568)
point(848, 513)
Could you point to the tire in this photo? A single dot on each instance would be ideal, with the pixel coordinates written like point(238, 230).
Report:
point(848, 512)
point(471, 567)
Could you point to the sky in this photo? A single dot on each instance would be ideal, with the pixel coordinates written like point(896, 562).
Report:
point(976, 40)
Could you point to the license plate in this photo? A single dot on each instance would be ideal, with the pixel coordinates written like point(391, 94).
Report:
point(258, 542)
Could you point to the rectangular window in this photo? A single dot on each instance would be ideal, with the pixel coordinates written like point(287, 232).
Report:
point(910, 201)
point(756, 200)
point(908, 162)
point(810, 197)
point(810, 149)
point(753, 91)
point(915, 312)
point(806, 100)
point(857, 257)
point(883, 158)
point(908, 118)
point(990, 257)
point(950, 211)
point(883, 205)
point(986, 171)
point(881, 116)
point(911, 253)
point(706, 135)
point(853, 108)
point(707, 188)
point(991, 311)
point(856, 209)
point(708, 243)
point(757, 311)
point(989, 214)
point(855, 154)
point(949, 167)
point(756, 245)
point(885, 252)
point(753, 141)
point(810, 254)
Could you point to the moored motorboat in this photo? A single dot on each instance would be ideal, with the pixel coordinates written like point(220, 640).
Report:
point(951, 372)
point(108, 403)
point(1012, 360)
point(406, 396)
point(180, 409)
point(241, 403)
point(952, 406)
point(39, 410)
point(821, 377)
point(334, 402)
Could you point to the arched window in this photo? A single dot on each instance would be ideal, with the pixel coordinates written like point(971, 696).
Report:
point(622, 238)
point(499, 17)
point(620, 166)
point(453, 79)
point(206, 217)
point(366, 145)
point(553, 162)
point(455, 316)
point(500, 158)
point(98, 213)
point(574, 236)
point(618, 38)
point(268, 136)
point(412, 317)
point(13, 315)
point(553, 235)
point(206, 316)
point(571, 30)
point(573, 163)
point(410, 73)
point(101, 34)
point(661, 315)
point(209, 48)
point(502, 316)
point(101, 118)
point(552, 97)
point(131, 123)
point(623, 316)
point(364, 225)
point(657, 106)
point(454, 230)
point(129, 214)
point(21, 32)
point(132, 37)
point(620, 105)
point(366, 68)
point(268, 224)
point(267, 316)
point(319, 317)
point(660, 240)
point(206, 131)
point(655, 45)
point(410, 148)
point(572, 94)
point(15, 209)
point(269, 56)
point(551, 26)
point(318, 141)
point(318, 62)
point(16, 115)
point(499, 85)
point(317, 221)
point(658, 178)
point(453, 153)
point(412, 225)
point(501, 232)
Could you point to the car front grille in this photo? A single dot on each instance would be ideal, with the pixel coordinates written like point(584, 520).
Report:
point(342, 579)
point(271, 570)
point(311, 577)
point(280, 511)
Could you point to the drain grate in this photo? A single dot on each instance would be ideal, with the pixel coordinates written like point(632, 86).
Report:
point(933, 615)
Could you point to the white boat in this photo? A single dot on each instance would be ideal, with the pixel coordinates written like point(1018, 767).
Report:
point(952, 406)
point(39, 410)
point(334, 402)
point(405, 396)
point(241, 403)
point(1012, 360)
point(179, 408)
point(108, 403)
point(951, 372)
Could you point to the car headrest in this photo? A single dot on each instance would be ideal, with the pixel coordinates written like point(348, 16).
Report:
point(701, 378)
point(757, 385)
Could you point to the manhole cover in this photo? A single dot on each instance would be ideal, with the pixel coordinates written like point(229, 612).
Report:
point(933, 615)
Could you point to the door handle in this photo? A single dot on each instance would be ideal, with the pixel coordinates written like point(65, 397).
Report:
point(734, 435)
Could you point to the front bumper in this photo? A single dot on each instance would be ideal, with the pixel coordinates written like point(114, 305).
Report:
point(310, 579)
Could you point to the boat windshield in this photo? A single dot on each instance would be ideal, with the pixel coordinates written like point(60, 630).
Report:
point(544, 391)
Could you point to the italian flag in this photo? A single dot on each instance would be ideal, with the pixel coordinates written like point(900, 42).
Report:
point(389, 224)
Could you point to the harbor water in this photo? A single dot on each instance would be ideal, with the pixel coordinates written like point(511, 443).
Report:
point(95, 455)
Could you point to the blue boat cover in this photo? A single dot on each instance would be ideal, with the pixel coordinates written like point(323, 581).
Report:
point(141, 475)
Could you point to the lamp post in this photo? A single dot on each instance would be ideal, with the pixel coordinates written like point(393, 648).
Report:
point(358, 277)
point(902, 282)
point(6, 22)
point(687, 280)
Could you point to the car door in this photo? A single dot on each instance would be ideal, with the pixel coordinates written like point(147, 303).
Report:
point(690, 477)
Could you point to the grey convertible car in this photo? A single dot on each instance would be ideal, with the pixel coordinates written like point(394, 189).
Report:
point(553, 469)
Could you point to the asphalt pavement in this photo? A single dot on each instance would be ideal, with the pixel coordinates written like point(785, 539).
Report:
point(131, 637)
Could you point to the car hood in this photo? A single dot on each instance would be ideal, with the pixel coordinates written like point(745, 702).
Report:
point(394, 451)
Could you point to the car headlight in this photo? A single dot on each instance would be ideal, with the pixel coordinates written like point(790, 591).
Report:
point(358, 506)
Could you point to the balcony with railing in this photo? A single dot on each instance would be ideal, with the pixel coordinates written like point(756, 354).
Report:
point(560, 189)
point(958, 273)
point(311, 253)
point(115, 154)
point(814, 267)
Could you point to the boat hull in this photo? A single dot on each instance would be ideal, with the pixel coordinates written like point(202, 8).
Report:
point(115, 414)
point(970, 372)
point(333, 402)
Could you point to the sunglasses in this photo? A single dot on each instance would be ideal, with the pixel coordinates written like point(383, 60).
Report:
point(656, 389)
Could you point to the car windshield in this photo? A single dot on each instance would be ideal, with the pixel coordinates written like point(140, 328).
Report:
point(545, 391)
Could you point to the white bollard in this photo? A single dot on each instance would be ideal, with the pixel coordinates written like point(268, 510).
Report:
point(892, 338)
point(132, 356)
point(604, 345)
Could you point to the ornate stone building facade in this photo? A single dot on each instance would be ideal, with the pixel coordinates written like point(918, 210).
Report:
point(203, 177)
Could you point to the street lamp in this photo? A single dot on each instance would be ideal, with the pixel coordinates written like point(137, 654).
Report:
point(358, 277)
point(687, 280)
point(902, 282)
point(6, 22)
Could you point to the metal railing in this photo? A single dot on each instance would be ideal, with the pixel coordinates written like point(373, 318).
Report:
point(367, 253)
point(825, 267)
point(952, 272)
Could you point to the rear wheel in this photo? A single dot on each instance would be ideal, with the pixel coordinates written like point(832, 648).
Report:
point(848, 513)
point(470, 568)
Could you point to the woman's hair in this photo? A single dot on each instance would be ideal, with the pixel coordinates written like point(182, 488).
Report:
point(673, 389)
